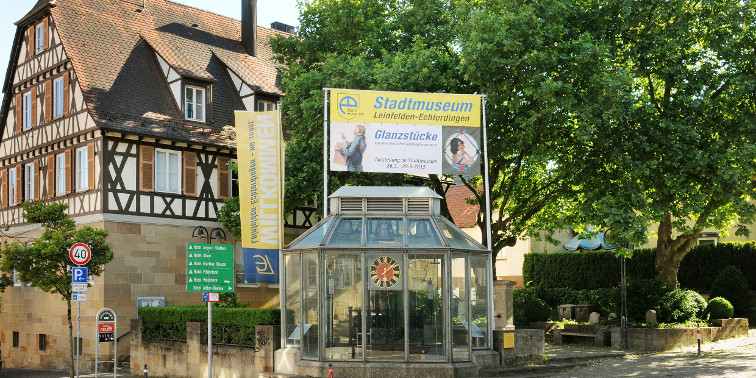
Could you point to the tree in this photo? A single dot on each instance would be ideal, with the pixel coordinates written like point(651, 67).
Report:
point(45, 263)
point(682, 152)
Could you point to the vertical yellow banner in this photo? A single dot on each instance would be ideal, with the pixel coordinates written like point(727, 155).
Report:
point(260, 156)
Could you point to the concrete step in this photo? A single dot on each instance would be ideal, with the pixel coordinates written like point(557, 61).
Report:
point(553, 365)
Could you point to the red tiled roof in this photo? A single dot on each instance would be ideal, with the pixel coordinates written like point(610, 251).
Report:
point(463, 214)
point(112, 47)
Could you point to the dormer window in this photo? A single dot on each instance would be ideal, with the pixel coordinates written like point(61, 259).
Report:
point(39, 38)
point(194, 103)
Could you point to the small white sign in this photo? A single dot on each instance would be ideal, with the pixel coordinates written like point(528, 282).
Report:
point(79, 297)
point(213, 297)
point(79, 287)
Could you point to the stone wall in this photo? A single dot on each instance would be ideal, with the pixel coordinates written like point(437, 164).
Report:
point(529, 346)
point(659, 339)
point(189, 358)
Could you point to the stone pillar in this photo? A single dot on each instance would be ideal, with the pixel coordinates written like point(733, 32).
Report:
point(267, 342)
point(503, 304)
point(195, 353)
point(136, 351)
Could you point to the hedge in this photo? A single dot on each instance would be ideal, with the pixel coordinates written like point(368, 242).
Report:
point(230, 325)
point(593, 270)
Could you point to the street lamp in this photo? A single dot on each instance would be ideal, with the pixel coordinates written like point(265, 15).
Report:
point(215, 233)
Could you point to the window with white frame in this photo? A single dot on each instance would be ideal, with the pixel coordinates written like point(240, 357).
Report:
point(60, 174)
point(39, 38)
point(265, 106)
point(167, 171)
point(12, 186)
point(58, 97)
point(194, 103)
point(27, 113)
point(29, 182)
point(82, 169)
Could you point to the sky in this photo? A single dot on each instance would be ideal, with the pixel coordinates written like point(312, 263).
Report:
point(268, 11)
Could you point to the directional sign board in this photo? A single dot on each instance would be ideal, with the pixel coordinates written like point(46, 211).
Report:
point(210, 267)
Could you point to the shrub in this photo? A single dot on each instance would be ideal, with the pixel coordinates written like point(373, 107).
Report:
point(521, 298)
point(681, 306)
point(537, 311)
point(731, 284)
point(644, 295)
point(719, 308)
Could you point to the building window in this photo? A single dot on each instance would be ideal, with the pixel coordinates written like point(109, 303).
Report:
point(27, 115)
point(194, 103)
point(15, 339)
point(167, 172)
point(42, 341)
point(60, 174)
point(82, 169)
point(12, 186)
point(234, 174)
point(58, 97)
point(265, 106)
point(29, 182)
point(39, 38)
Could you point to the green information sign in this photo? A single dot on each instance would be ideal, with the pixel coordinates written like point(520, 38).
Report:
point(209, 267)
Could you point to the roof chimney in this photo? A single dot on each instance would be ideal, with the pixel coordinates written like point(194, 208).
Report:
point(249, 26)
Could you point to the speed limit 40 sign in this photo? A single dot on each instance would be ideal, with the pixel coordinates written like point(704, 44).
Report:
point(80, 253)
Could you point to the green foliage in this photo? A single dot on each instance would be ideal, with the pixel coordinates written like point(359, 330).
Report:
point(731, 284)
point(230, 300)
point(645, 294)
point(538, 311)
point(606, 299)
point(589, 270)
point(170, 322)
point(680, 306)
point(229, 217)
point(719, 308)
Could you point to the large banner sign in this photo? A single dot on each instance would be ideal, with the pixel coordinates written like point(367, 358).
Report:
point(404, 132)
point(259, 153)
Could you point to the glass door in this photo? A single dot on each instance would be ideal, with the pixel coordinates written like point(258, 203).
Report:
point(343, 307)
point(426, 316)
point(384, 336)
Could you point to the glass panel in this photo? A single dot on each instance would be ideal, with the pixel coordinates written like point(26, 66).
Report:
point(61, 179)
point(479, 299)
point(426, 318)
point(420, 233)
point(314, 237)
point(348, 232)
point(310, 306)
point(173, 172)
point(343, 307)
point(292, 266)
point(385, 232)
point(385, 317)
point(200, 104)
point(189, 105)
point(456, 238)
point(460, 328)
point(160, 165)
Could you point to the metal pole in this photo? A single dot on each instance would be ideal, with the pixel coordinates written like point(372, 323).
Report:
point(485, 179)
point(623, 324)
point(209, 339)
point(325, 153)
point(78, 336)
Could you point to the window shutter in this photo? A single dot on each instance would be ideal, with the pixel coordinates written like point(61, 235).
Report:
point(190, 173)
point(146, 168)
point(46, 32)
point(19, 184)
point(69, 171)
point(4, 192)
point(51, 176)
point(48, 100)
point(30, 41)
point(34, 106)
point(37, 181)
point(19, 113)
point(91, 168)
point(66, 92)
point(224, 178)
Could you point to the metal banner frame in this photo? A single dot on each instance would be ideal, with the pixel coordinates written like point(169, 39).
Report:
point(101, 318)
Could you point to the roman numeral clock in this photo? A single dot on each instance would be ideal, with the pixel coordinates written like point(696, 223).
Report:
point(385, 273)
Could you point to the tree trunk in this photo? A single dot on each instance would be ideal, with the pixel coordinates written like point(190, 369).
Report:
point(671, 251)
point(71, 338)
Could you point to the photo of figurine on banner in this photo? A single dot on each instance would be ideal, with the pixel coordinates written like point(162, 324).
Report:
point(461, 151)
point(349, 146)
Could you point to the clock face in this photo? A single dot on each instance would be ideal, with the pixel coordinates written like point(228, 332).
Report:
point(384, 272)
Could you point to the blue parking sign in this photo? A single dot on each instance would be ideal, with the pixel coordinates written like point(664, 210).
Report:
point(79, 274)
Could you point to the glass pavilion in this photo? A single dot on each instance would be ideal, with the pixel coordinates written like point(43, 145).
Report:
point(385, 278)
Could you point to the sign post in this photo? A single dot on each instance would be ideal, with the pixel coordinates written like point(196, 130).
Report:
point(80, 255)
point(210, 269)
point(106, 332)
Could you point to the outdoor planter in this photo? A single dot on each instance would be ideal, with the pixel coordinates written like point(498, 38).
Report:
point(660, 339)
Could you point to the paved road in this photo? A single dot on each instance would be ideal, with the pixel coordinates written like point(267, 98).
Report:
point(727, 358)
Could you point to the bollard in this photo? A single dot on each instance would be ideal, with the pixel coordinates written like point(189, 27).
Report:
point(145, 370)
point(698, 331)
point(330, 370)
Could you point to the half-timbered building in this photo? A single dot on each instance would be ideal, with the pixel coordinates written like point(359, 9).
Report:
point(124, 111)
